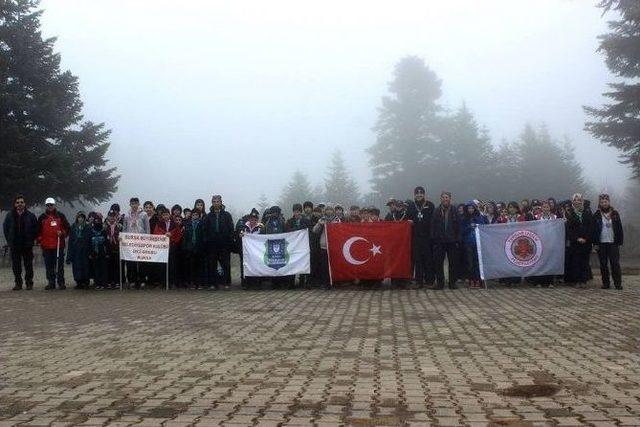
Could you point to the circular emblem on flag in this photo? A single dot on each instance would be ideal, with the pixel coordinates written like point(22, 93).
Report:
point(523, 248)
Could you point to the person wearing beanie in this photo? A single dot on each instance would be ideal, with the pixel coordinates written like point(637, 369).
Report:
point(79, 249)
point(112, 229)
point(445, 235)
point(471, 219)
point(249, 224)
point(20, 228)
point(297, 222)
point(321, 229)
point(608, 237)
point(53, 229)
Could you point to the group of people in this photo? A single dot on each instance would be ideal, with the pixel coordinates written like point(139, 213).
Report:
point(202, 241)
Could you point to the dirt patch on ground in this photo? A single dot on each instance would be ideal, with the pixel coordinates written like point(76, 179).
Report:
point(530, 390)
point(168, 410)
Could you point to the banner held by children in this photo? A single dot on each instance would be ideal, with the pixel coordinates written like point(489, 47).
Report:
point(273, 255)
point(521, 249)
point(144, 248)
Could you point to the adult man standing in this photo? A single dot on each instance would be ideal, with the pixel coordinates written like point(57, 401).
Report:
point(420, 211)
point(53, 229)
point(135, 221)
point(608, 237)
point(579, 228)
point(445, 234)
point(20, 230)
point(218, 232)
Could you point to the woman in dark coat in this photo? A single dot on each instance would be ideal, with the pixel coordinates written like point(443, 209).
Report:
point(78, 251)
point(579, 228)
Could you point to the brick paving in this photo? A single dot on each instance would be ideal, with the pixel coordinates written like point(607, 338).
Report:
point(321, 358)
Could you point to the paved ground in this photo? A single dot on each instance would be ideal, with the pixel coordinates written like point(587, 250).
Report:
point(325, 358)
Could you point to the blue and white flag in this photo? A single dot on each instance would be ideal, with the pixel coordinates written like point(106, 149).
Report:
point(269, 255)
point(521, 249)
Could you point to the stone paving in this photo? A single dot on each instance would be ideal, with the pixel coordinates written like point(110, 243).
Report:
point(502, 357)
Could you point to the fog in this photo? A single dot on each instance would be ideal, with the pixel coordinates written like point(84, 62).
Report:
point(230, 98)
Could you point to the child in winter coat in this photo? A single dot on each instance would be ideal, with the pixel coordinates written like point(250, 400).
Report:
point(79, 249)
point(192, 255)
point(98, 253)
point(112, 228)
point(470, 221)
point(168, 227)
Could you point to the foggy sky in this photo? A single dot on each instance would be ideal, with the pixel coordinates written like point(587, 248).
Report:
point(231, 97)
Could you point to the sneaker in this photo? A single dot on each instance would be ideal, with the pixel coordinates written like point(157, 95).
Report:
point(62, 287)
point(49, 287)
point(29, 286)
point(227, 287)
point(17, 287)
point(99, 287)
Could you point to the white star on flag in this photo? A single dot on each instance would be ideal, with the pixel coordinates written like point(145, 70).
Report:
point(375, 250)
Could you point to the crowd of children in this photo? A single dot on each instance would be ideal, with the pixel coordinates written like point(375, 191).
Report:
point(201, 241)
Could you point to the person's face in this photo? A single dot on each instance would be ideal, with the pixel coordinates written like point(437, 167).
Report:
point(19, 204)
point(195, 215)
point(354, 212)
point(297, 214)
point(217, 204)
point(524, 204)
point(604, 203)
point(166, 216)
point(552, 204)
point(419, 196)
point(178, 219)
point(445, 199)
point(512, 210)
point(460, 210)
point(578, 203)
point(176, 213)
point(80, 220)
point(134, 206)
point(470, 210)
point(111, 219)
point(546, 208)
point(308, 210)
point(200, 205)
point(149, 210)
point(490, 210)
point(503, 212)
point(329, 212)
point(339, 212)
point(50, 207)
point(253, 220)
point(188, 214)
point(393, 208)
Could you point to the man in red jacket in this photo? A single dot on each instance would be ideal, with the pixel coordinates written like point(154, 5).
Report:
point(53, 229)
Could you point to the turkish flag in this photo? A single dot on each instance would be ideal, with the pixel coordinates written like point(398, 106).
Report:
point(369, 250)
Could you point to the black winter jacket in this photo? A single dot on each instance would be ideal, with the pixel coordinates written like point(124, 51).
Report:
point(438, 232)
point(224, 236)
point(616, 223)
point(20, 229)
point(421, 217)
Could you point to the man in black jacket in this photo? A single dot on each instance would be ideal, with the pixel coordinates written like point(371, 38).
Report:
point(20, 230)
point(579, 227)
point(608, 237)
point(445, 234)
point(420, 212)
point(218, 236)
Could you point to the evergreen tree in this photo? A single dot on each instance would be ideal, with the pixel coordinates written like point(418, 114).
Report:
point(298, 190)
point(263, 203)
point(545, 167)
point(408, 128)
point(617, 124)
point(47, 148)
point(340, 187)
point(464, 162)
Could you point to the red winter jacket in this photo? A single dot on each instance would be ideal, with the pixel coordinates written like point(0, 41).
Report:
point(176, 232)
point(48, 226)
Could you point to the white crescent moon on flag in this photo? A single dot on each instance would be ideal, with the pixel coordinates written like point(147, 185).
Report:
point(346, 250)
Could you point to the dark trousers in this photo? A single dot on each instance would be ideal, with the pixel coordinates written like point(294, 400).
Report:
point(223, 257)
point(423, 260)
point(103, 270)
point(578, 263)
point(450, 251)
point(113, 269)
point(609, 254)
point(49, 256)
point(134, 272)
point(471, 257)
point(323, 269)
point(190, 267)
point(20, 255)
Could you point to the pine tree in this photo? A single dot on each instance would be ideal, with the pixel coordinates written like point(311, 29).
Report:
point(298, 190)
point(408, 127)
point(545, 167)
point(617, 124)
point(47, 148)
point(340, 187)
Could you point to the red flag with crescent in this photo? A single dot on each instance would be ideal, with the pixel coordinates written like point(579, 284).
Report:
point(369, 250)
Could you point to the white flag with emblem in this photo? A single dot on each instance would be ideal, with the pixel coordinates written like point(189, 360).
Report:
point(269, 255)
point(521, 249)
